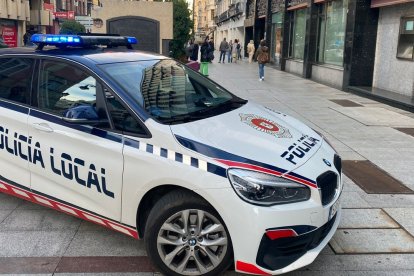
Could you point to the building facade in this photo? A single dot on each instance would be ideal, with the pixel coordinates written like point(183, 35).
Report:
point(203, 17)
point(394, 59)
point(14, 16)
point(364, 46)
point(149, 21)
point(230, 20)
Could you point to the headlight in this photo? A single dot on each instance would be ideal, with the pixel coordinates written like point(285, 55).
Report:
point(265, 189)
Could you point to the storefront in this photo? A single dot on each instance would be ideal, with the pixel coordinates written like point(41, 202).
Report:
point(330, 42)
point(316, 33)
point(8, 33)
point(277, 32)
point(296, 22)
point(394, 61)
point(331, 32)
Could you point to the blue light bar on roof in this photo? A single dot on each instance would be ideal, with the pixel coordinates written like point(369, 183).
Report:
point(83, 40)
point(132, 40)
point(57, 39)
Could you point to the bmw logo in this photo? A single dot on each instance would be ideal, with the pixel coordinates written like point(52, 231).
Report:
point(327, 162)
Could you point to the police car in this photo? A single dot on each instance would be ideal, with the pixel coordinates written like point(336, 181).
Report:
point(143, 145)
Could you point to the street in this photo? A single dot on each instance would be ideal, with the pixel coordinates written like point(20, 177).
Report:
point(375, 236)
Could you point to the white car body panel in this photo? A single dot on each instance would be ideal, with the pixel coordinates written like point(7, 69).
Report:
point(102, 176)
point(67, 144)
point(13, 167)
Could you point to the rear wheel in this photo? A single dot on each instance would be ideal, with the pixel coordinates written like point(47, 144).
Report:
point(184, 235)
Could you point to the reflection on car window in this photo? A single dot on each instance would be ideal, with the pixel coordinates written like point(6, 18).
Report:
point(172, 93)
point(15, 78)
point(128, 75)
point(67, 91)
point(122, 119)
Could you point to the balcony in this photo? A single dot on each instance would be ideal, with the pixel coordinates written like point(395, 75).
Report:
point(18, 10)
point(233, 13)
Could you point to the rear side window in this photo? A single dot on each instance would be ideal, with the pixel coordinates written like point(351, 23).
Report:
point(15, 79)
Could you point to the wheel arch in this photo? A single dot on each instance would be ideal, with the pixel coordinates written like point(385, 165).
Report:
point(151, 197)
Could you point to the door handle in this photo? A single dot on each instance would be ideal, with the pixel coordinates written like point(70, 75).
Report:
point(43, 127)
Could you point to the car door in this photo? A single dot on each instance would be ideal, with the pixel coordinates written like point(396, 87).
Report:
point(81, 163)
point(16, 148)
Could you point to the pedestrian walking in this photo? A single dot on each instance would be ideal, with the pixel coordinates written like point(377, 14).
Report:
point(229, 50)
point(224, 45)
point(262, 57)
point(194, 52)
point(239, 49)
point(234, 51)
point(206, 52)
point(250, 50)
point(189, 48)
point(211, 49)
point(26, 38)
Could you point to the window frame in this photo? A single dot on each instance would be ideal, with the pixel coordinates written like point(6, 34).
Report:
point(323, 16)
point(292, 39)
point(402, 32)
point(31, 84)
point(101, 85)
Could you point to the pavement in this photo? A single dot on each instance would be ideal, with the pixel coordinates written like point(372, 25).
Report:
point(376, 234)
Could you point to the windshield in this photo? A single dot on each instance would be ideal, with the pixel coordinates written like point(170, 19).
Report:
point(170, 92)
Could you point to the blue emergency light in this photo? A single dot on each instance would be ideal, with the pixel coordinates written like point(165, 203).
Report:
point(83, 40)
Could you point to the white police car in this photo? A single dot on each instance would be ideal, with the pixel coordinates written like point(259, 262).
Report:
point(143, 145)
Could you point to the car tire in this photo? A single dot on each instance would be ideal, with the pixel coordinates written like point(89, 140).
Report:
point(202, 246)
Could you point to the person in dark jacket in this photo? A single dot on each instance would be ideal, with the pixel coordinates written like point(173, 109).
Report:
point(205, 56)
point(262, 57)
point(194, 52)
point(224, 46)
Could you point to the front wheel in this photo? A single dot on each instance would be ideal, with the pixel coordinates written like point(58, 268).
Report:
point(184, 235)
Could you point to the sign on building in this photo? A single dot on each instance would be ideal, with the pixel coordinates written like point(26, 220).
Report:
point(86, 21)
point(8, 33)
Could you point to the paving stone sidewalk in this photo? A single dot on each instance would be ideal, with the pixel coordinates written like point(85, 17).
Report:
point(376, 235)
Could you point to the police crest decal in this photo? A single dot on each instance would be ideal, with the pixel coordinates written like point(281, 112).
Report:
point(265, 125)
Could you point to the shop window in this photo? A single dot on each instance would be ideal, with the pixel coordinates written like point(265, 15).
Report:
point(276, 46)
point(405, 48)
point(331, 33)
point(298, 33)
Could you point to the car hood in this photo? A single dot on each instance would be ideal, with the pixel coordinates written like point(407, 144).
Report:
point(253, 135)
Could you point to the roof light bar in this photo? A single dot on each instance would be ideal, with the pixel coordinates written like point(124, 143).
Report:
point(82, 40)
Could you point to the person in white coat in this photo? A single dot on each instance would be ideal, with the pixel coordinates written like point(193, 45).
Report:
point(250, 50)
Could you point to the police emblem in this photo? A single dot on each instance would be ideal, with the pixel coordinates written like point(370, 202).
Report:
point(265, 125)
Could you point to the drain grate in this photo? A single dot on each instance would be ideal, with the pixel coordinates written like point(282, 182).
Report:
point(409, 131)
point(372, 179)
point(346, 103)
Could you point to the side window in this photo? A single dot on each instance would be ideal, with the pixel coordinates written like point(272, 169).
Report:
point(123, 120)
point(15, 79)
point(67, 91)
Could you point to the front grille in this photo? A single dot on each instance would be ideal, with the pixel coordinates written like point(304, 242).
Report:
point(328, 184)
point(279, 253)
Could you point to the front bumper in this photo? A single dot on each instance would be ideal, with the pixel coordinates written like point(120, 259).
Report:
point(279, 253)
point(286, 254)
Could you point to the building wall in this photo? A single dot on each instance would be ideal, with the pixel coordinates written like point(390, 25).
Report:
point(294, 67)
point(160, 11)
point(204, 24)
point(331, 76)
point(391, 73)
point(16, 12)
point(233, 28)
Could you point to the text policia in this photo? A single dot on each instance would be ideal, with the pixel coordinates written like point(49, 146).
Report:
point(64, 165)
